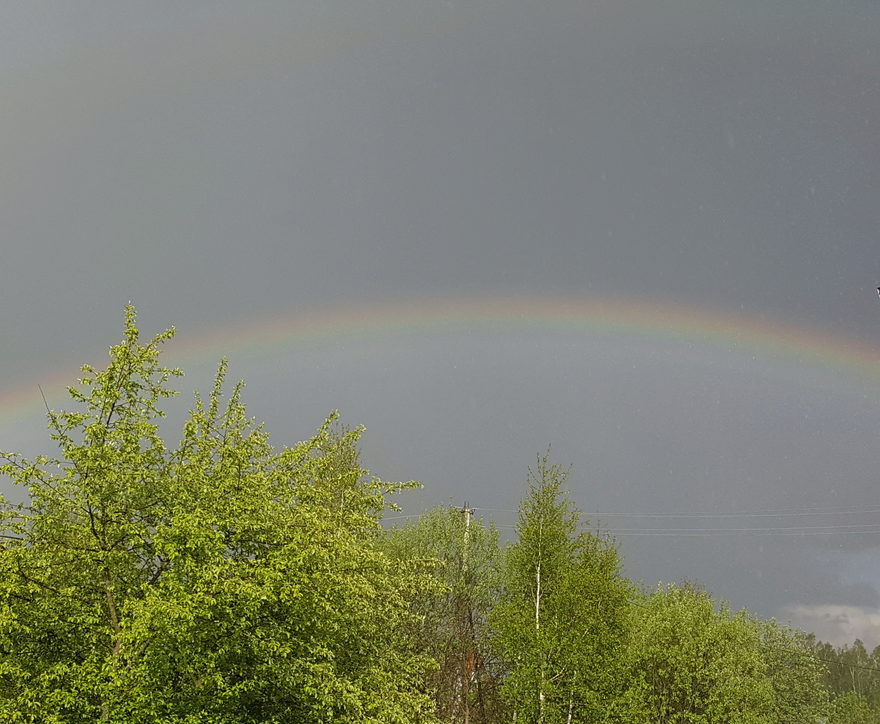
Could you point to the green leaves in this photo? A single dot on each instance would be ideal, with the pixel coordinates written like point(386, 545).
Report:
point(693, 663)
point(561, 619)
point(460, 557)
point(794, 672)
point(223, 580)
point(852, 708)
point(219, 581)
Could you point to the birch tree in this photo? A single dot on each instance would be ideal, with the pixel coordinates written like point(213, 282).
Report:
point(562, 614)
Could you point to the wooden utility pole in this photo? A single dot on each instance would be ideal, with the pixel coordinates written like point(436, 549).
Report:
point(467, 513)
point(464, 620)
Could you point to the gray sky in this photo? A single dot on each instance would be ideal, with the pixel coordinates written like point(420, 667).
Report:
point(713, 165)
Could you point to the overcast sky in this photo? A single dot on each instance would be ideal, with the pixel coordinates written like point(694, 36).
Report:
point(707, 173)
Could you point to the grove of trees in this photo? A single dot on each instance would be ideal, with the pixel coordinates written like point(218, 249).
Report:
point(223, 580)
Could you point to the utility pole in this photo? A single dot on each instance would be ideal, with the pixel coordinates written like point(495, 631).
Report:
point(465, 624)
point(467, 513)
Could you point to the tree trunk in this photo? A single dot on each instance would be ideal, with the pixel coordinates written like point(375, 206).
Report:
point(538, 628)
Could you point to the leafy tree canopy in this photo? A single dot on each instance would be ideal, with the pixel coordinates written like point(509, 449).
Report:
point(452, 624)
point(695, 664)
point(222, 580)
point(218, 580)
point(560, 622)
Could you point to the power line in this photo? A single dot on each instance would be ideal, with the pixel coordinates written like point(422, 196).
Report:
point(711, 533)
point(792, 528)
point(845, 663)
point(755, 514)
point(780, 512)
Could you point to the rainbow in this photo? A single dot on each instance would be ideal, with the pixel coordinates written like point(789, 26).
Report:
point(796, 347)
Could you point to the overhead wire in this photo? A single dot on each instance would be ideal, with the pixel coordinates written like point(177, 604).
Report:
point(754, 514)
point(781, 514)
point(846, 663)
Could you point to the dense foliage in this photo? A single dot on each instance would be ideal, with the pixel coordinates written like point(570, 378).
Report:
point(451, 622)
point(218, 581)
point(560, 621)
point(223, 580)
point(852, 676)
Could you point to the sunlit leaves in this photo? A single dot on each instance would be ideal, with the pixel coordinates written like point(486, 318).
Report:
point(217, 581)
point(561, 619)
point(695, 664)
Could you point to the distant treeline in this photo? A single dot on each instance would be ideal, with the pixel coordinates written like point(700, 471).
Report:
point(222, 580)
point(852, 675)
point(546, 630)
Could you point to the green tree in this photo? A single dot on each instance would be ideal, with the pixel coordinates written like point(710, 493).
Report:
point(852, 677)
point(856, 671)
point(450, 624)
point(561, 619)
point(218, 581)
point(852, 708)
point(796, 675)
point(694, 664)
